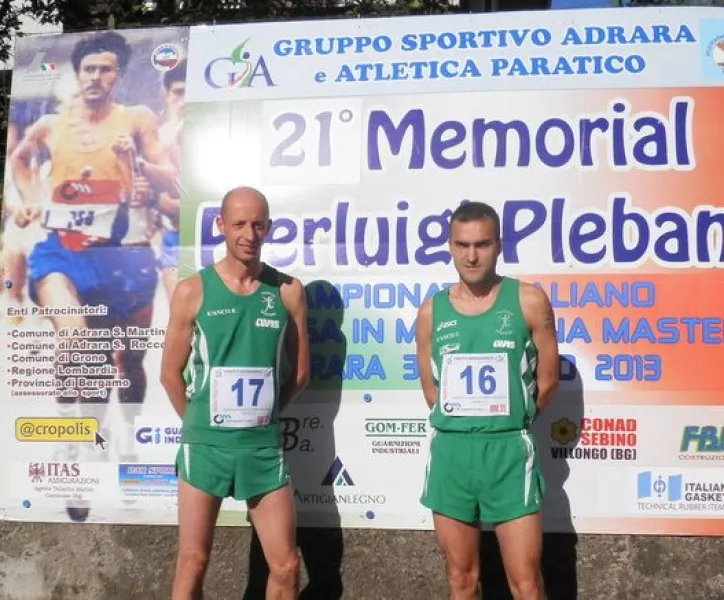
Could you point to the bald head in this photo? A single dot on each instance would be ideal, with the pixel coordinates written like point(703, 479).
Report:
point(246, 198)
point(244, 222)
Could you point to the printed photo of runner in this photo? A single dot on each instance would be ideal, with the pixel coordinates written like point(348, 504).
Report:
point(89, 254)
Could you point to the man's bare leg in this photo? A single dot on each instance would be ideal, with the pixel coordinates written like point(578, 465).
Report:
point(521, 545)
point(57, 291)
point(18, 243)
point(130, 366)
point(197, 514)
point(460, 544)
point(274, 518)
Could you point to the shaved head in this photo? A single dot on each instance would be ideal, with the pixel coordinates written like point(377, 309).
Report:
point(243, 195)
point(244, 222)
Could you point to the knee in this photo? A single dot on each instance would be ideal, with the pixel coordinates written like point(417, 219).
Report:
point(529, 587)
point(286, 569)
point(192, 564)
point(463, 579)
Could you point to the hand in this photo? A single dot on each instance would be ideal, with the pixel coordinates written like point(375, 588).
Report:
point(124, 144)
point(141, 192)
point(26, 215)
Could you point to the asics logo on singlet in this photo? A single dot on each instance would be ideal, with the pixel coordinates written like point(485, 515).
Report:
point(219, 312)
point(507, 344)
point(267, 323)
point(446, 325)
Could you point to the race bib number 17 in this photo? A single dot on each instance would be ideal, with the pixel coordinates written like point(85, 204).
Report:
point(241, 397)
point(475, 385)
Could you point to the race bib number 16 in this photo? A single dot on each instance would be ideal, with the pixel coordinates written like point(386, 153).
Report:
point(475, 385)
point(241, 397)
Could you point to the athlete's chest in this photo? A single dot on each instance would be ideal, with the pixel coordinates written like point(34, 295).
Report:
point(495, 331)
point(78, 135)
point(251, 321)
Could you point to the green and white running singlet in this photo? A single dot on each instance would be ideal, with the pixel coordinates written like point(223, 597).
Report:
point(231, 438)
point(483, 464)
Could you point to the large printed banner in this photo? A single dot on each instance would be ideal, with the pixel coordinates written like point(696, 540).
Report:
point(596, 134)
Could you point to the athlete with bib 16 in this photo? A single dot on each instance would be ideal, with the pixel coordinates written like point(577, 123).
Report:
point(488, 360)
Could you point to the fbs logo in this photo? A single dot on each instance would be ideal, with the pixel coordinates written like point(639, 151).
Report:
point(669, 489)
point(239, 69)
point(706, 438)
point(337, 475)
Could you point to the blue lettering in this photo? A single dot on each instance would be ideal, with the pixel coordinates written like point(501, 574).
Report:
point(353, 366)
point(323, 296)
point(581, 138)
point(410, 368)
point(403, 335)
point(569, 143)
point(289, 235)
point(328, 331)
point(628, 367)
point(423, 255)
point(577, 331)
point(666, 330)
point(380, 120)
point(364, 329)
point(705, 221)
point(567, 369)
point(639, 34)
point(544, 231)
point(512, 236)
point(209, 240)
point(669, 333)
point(639, 294)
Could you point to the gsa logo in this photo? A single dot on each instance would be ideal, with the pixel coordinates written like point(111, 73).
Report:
point(240, 69)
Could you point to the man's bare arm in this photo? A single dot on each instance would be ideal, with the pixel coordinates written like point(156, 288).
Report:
point(185, 303)
point(156, 162)
point(170, 207)
point(24, 175)
point(296, 342)
point(542, 323)
point(423, 340)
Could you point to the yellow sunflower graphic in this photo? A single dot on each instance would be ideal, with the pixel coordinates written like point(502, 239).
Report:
point(564, 431)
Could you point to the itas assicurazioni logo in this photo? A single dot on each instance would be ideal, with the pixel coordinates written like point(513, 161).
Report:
point(241, 69)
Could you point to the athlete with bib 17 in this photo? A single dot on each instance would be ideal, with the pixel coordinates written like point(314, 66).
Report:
point(236, 353)
point(488, 360)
